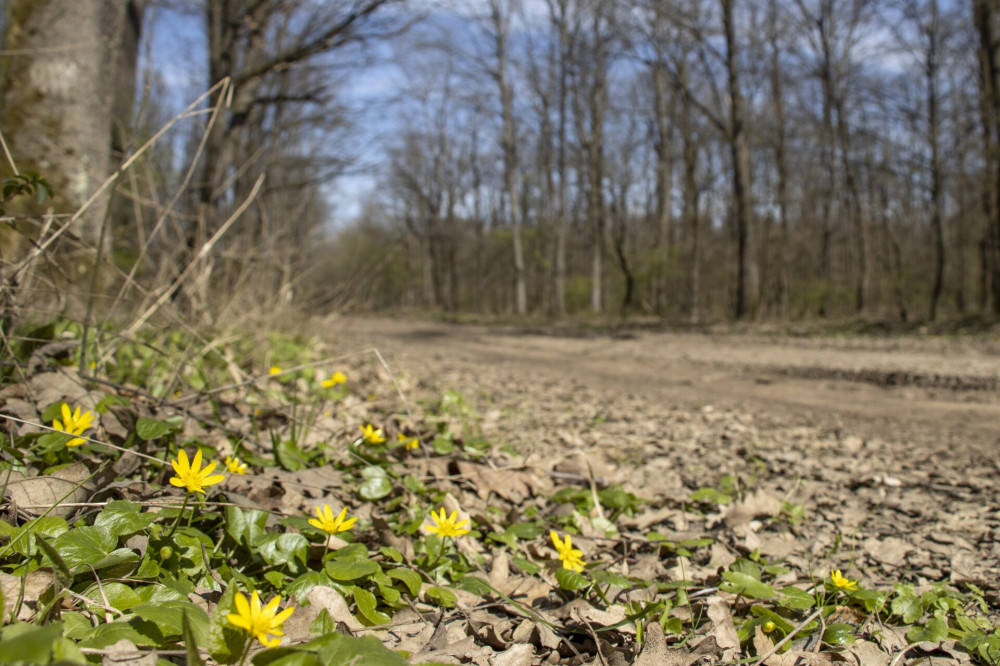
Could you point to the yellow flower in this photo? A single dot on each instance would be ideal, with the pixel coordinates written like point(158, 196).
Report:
point(257, 621)
point(274, 370)
point(448, 526)
point(411, 443)
point(336, 378)
point(73, 423)
point(768, 627)
point(570, 556)
point(328, 523)
point(234, 466)
point(371, 435)
point(191, 475)
point(843, 583)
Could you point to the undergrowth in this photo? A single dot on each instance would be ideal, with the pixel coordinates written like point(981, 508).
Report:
point(182, 502)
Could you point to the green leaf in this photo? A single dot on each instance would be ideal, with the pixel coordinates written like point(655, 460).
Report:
point(934, 630)
point(323, 624)
point(795, 599)
point(375, 488)
point(158, 594)
point(408, 577)
point(602, 577)
point(443, 445)
point(444, 597)
point(366, 606)
point(350, 569)
point(908, 607)
point(286, 548)
point(672, 625)
point(119, 595)
point(110, 633)
point(768, 614)
point(245, 526)
point(286, 656)
point(122, 517)
point(289, 455)
point(476, 586)
point(570, 580)
point(26, 643)
point(169, 618)
point(738, 582)
point(225, 642)
point(355, 551)
point(190, 642)
point(839, 634)
point(149, 429)
point(526, 566)
point(65, 652)
point(85, 545)
point(338, 649)
point(56, 559)
point(117, 563)
point(526, 531)
point(391, 553)
point(300, 587)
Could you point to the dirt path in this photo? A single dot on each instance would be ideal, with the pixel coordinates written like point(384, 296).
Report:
point(935, 392)
point(886, 448)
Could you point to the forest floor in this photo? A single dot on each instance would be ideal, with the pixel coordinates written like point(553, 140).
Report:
point(890, 445)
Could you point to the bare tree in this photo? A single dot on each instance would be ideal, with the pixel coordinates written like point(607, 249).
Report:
point(501, 12)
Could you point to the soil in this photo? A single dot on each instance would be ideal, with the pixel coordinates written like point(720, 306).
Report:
point(890, 445)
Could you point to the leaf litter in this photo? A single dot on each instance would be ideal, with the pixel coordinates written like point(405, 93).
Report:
point(708, 533)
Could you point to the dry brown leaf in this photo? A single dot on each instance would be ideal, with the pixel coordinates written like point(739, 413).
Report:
point(891, 551)
point(499, 569)
point(865, 653)
point(37, 494)
point(516, 655)
point(36, 584)
point(758, 504)
point(723, 628)
point(329, 599)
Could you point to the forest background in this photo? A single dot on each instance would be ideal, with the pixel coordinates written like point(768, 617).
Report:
point(683, 160)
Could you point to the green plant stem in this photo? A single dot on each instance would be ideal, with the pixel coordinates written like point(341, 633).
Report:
point(177, 521)
point(433, 563)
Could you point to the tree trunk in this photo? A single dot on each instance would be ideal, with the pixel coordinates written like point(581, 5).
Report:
point(500, 25)
point(65, 108)
point(937, 172)
point(985, 18)
point(740, 154)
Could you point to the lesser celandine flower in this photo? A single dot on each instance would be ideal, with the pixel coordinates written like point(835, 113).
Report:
point(336, 378)
point(328, 523)
point(235, 466)
point(571, 557)
point(73, 423)
point(372, 435)
point(842, 583)
point(448, 526)
point(258, 621)
point(274, 370)
point(411, 443)
point(191, 475)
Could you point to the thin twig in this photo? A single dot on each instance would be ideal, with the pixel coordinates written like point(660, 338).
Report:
point(777, 646)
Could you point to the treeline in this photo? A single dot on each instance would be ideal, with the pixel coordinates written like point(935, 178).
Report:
point(693, 160)
point(687, 159)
